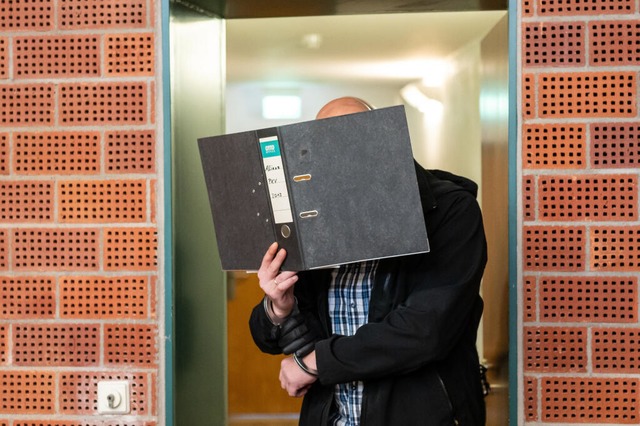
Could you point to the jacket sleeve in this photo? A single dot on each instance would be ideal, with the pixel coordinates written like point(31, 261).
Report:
point(441, 290)
point(263, 331)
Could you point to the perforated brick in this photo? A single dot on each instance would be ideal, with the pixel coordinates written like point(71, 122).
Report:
point(530, 398)
point(43, 249)
point(589, 400)
point(102, 103)
point(4, 57)
point(551, 146)
point(36, 153)
point(587, 94)
point(130, 54)
point(130, 151)
point(56, 56)
point(26, 105)
point(79, 391)
point(4, 250)
point(614, 43)
point(56, 345)
point(27, 297)
point(615, 145)
point(26, 15)
point(4, 335)
point(528, 96)
point(528, 198)
point(102, 201)
point(73, 14)
point(130, 249)
point(588, 197)
point(616, 350)
point(527, 7)
point(582, 7)
point(615, 248)
point(588, 299)
point(153, 184)
point(553, 248)
point(125, 297)
point(529, 290)
point(26, 201)
point(4, 153)
point(555, 44)
point(27, 392)
point(131, 345)
point(555, 349)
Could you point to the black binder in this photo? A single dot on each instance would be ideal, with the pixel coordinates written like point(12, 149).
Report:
point(330, 191)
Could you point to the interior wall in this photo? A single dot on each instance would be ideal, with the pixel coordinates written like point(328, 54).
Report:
point(197, 48)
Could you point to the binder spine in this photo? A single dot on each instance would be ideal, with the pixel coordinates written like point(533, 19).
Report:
point(278, 194)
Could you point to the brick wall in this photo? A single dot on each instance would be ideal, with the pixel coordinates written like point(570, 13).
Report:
point(580, 146)
point(79, 273)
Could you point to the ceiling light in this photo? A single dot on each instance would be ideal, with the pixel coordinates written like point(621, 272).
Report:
point(312, 41)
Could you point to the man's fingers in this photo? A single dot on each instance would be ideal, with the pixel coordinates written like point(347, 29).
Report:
point(269, 255)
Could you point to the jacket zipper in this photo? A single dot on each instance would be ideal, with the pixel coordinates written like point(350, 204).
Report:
point(446, 394)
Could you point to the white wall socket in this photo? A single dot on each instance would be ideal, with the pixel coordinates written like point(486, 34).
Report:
point(113, 397)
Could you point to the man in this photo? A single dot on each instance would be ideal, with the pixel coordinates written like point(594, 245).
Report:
point(386, 342)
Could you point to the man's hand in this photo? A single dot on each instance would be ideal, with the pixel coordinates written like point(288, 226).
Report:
point(295, 381)
point(278, 286)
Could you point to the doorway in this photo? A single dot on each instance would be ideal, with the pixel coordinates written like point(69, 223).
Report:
point(380, 58)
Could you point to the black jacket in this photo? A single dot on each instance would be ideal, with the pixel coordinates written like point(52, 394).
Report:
point(416, 355)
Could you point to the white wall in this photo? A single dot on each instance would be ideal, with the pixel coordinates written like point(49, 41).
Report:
point(244, 107)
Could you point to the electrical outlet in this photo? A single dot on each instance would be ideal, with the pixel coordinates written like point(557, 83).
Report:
point(113, 397)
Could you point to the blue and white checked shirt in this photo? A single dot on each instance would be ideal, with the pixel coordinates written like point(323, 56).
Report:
point(349, 294)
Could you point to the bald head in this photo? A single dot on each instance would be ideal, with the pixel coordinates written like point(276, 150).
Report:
point(343, 106)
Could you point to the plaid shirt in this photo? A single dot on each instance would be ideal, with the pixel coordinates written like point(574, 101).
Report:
point(349, 294)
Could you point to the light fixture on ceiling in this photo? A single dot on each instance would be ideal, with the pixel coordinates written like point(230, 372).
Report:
point(311, 41)
point(422, 99)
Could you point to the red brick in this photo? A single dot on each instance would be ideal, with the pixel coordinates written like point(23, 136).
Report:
point(47, 249)
point(56, 345)
point(84, 104)
point(26, 105)
point(555, 349)
point(615, 248)
point(56, 153)
point(529, 290)
point(27, 392)
point(153, 298)
point(56, 56)
point(615, 145)
point(588, 299)
point(528, 95)
point(4, 57)
point(26, 201)
point(587, 94)
point(153, 183)
point(553, 248)
point(4, 250)
point(26, 15)
point(103, 201)
point(130, 151)
point(526, 7)
point(131, 54)
point(79, 390)
point(588, 197)
point(4, 153)
point(614, 43)
point(616, 350)
point(4, 345)
point(131, 249)
point(99, 14)
point(554, 146)
point(529, 198)
point(90, 297)
point(27, 297)
point(133, 345)
point(589, 400)
point(553, 44)
point(579, 7)
point(531, 398)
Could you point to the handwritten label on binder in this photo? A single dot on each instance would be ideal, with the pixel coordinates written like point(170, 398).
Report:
point(276, 182)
